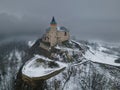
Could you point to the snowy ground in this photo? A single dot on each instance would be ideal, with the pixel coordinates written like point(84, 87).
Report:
point(69, 50)
point(32, 69)
point(101, 57)
point(97, 55)
point(31, 43)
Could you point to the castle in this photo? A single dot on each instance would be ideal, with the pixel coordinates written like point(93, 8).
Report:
point(54, 35)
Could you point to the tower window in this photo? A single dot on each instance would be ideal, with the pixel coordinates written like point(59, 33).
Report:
point(45, 38)
point(65, 34)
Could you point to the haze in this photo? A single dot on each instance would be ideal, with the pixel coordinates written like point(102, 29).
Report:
point(86, 19)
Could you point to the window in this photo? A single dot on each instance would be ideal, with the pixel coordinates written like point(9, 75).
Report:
point(45, 38)
point(65, 34)
point(48, 38)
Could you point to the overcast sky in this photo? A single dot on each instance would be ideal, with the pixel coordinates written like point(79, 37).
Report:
point(84, 18)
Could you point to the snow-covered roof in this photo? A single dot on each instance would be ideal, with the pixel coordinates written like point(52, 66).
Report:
point(32, 68)
point(62, 28)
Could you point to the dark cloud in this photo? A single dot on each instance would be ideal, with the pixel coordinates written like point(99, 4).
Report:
point(85, 18)
point(12, 24)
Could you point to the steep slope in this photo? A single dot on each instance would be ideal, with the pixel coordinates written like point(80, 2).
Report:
point(96, 71)
point(11, 59)
point(87, 76)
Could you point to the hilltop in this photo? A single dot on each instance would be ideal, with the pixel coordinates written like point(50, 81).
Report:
point(82, 60)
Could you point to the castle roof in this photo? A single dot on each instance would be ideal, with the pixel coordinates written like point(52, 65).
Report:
point(62, 28)
point(53, 21)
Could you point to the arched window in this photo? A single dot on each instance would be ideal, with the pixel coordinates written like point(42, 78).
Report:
point(65, 34)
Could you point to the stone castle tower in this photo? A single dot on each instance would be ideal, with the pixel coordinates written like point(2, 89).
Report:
point(55, 35)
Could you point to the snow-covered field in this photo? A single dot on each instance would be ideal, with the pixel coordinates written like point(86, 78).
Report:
point(101, 57)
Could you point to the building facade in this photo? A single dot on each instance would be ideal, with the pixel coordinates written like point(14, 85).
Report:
point(55, 35)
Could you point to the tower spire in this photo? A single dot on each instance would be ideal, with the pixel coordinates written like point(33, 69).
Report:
point(53, 22)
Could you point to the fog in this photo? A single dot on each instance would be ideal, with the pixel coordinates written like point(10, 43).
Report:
point(86, 19)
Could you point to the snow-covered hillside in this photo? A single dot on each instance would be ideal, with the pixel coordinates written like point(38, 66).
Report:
point(11, 59)
point(96, 52)
point(87, 76)
point(100, 55)
point(96, 70)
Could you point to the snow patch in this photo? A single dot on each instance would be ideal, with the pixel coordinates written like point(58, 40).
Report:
point(31, 43)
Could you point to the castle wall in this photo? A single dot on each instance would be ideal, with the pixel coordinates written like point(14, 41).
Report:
point(46, 37)
point(44, 46)
point(62, 36)
point(53, 37)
